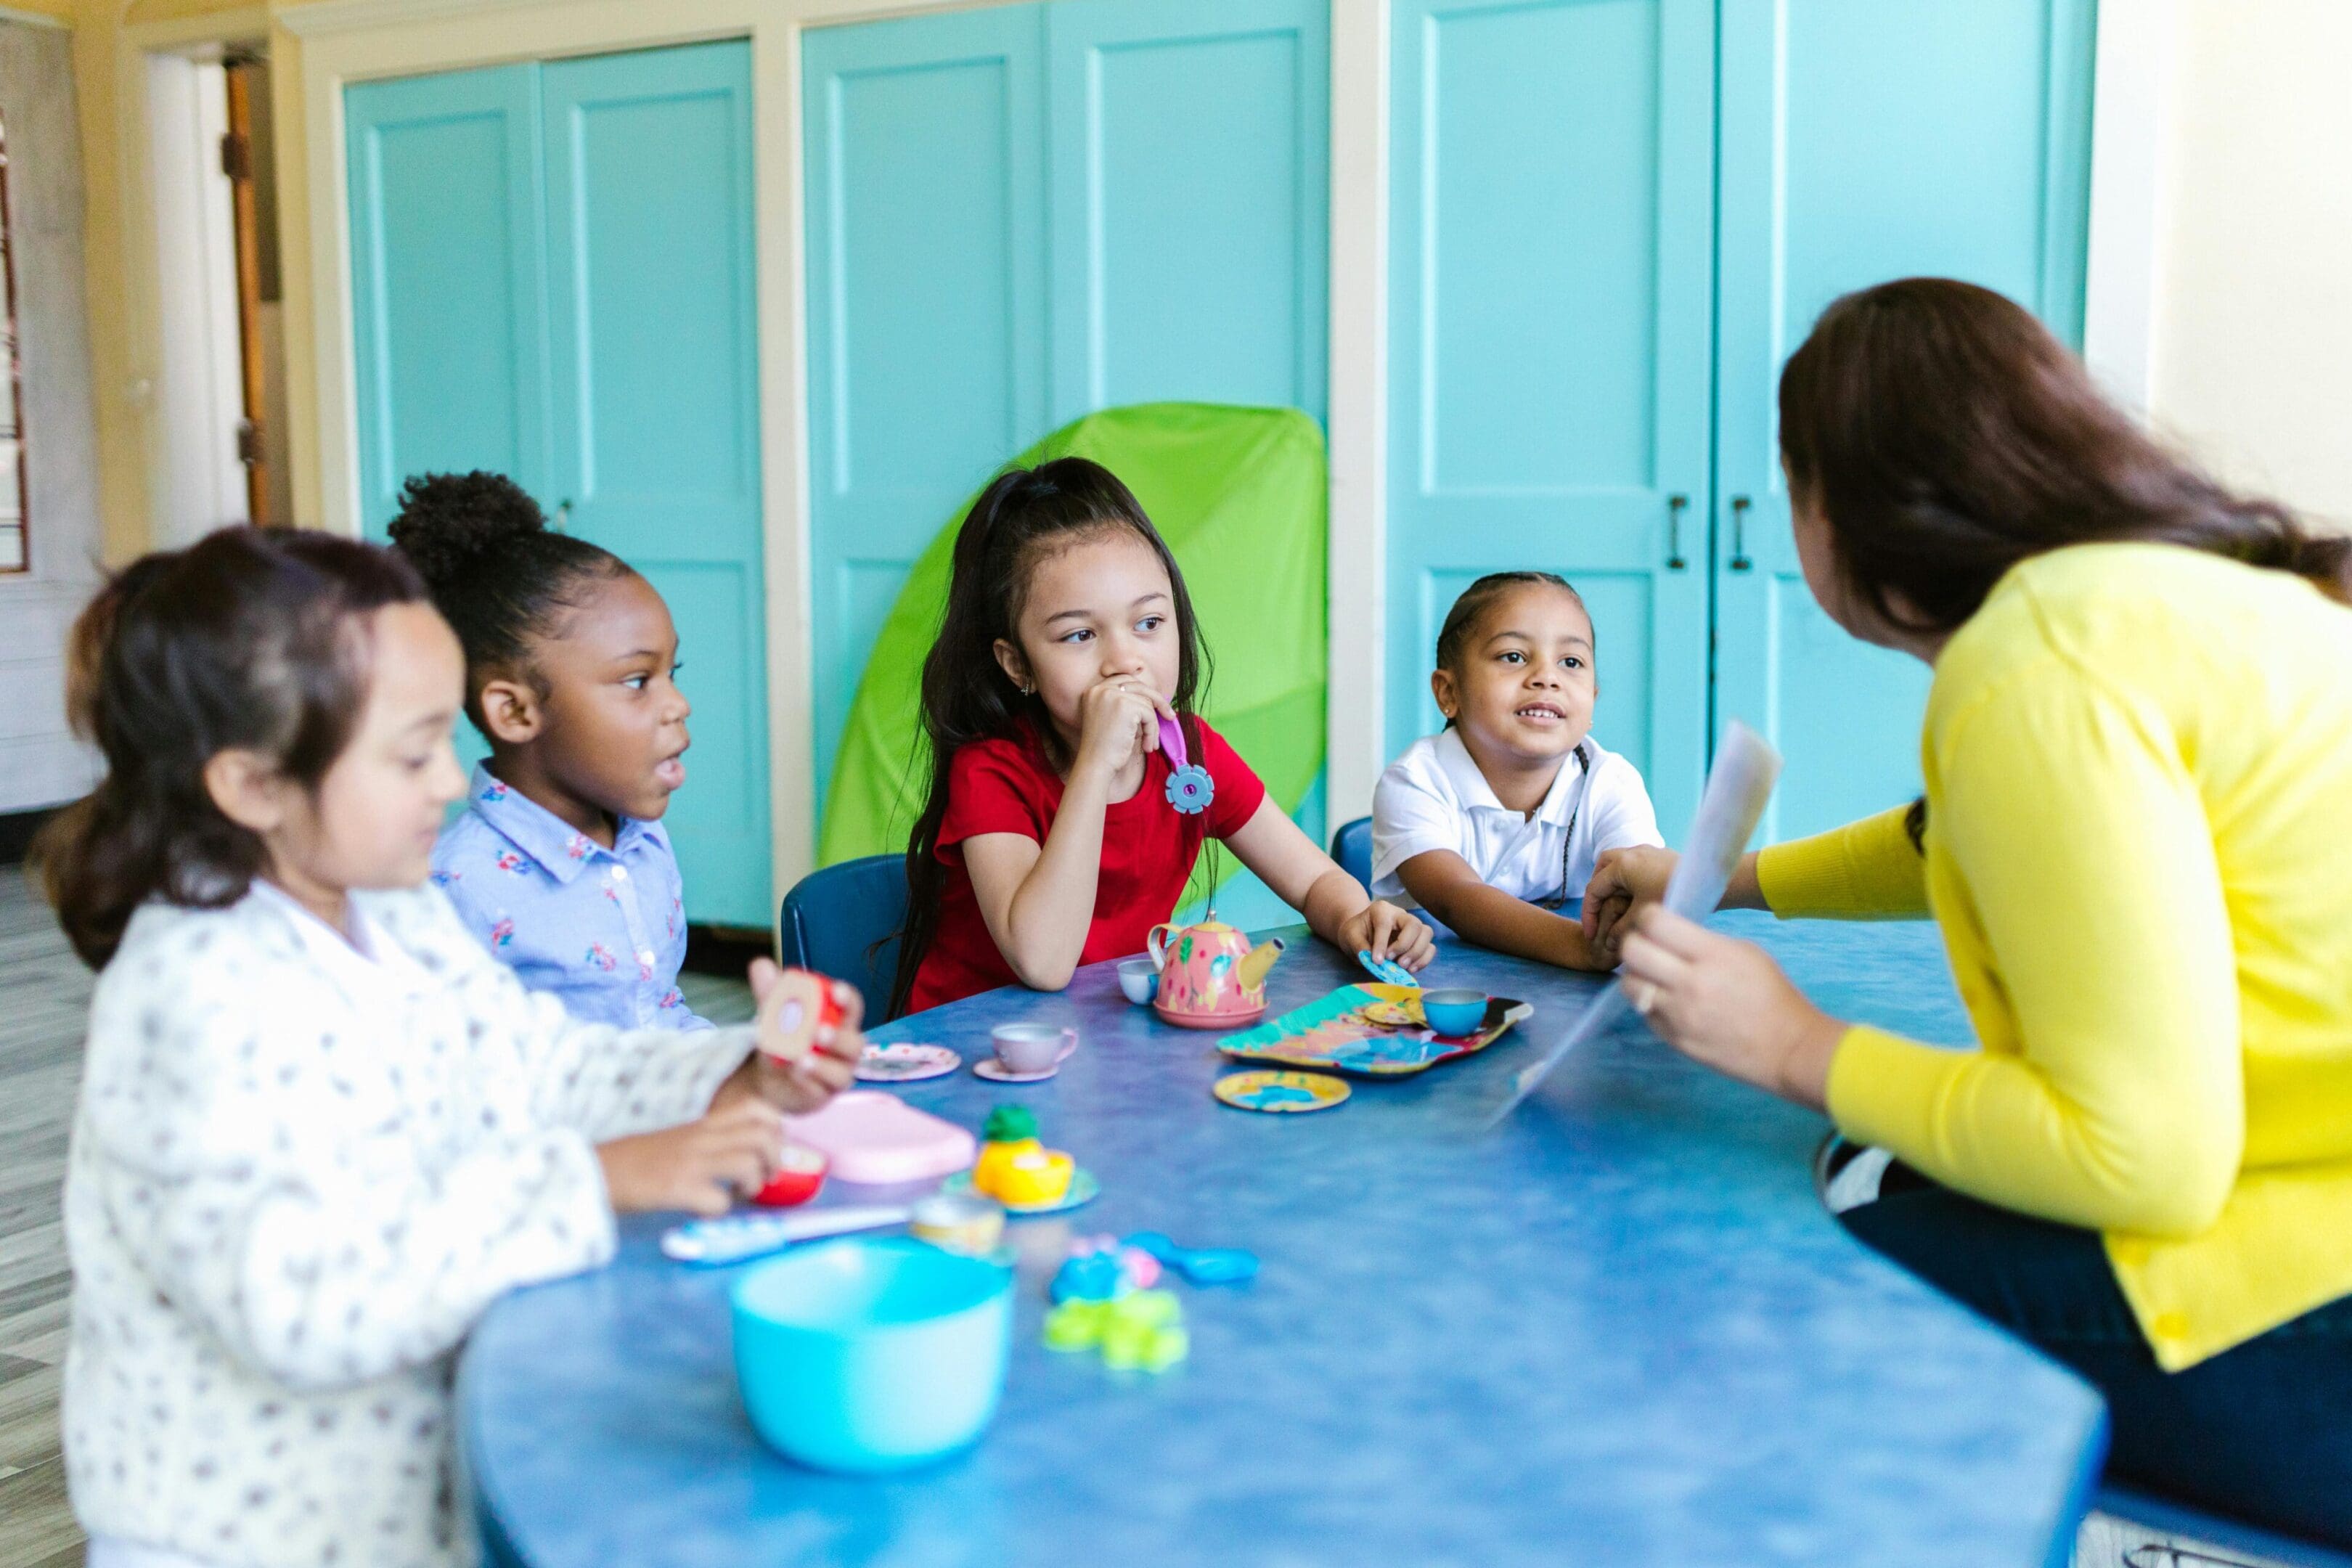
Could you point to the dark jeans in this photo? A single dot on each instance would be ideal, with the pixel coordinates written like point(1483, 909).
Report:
point(2260, 1433)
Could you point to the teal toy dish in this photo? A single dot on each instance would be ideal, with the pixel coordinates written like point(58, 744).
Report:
point(864, 1357)
point(1454, 1014)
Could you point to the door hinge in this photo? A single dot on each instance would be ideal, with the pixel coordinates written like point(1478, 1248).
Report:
point(237, 156)
point(248, 443)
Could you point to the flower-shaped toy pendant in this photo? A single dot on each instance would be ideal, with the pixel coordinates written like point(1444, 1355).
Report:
point(1190, 788)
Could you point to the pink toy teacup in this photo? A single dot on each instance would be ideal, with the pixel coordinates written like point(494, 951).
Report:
point(1032, 1048)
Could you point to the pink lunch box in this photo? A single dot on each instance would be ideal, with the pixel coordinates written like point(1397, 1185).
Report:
point(875, 1139)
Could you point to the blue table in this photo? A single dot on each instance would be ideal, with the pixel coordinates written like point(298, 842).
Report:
point(1619, 1330)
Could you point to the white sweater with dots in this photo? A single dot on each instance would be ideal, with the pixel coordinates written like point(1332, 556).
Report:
point(297, 1176)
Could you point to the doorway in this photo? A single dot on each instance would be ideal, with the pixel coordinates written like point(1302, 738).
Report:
point(219, 454)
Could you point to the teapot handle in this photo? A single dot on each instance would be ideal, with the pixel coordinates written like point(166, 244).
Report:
point(1157, 945)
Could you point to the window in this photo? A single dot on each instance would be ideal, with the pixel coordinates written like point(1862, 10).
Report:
point(15, 545)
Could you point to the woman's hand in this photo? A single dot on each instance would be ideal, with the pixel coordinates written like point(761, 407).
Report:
point(1386, 931)
point(1624, 882)
point(701, 1167)
point(1725, 1003)
point(1118, 721)
point(798, 1087)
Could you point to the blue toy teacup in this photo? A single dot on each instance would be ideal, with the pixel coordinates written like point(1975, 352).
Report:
point(1454, 1014)
point(1140, 978)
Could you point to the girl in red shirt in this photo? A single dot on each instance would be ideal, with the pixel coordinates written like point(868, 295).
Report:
point(1048, 840)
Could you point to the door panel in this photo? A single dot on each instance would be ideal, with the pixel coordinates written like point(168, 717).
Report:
point(449, 337)
point(1551, 342)
point(1864, 142)
point(654, 343)
point(926, 302)
point(1191, 190)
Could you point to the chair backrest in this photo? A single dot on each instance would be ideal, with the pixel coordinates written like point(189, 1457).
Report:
point(1352, 847)
point(833, 918)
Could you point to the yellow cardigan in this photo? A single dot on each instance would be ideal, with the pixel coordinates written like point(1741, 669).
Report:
point(2138, 765)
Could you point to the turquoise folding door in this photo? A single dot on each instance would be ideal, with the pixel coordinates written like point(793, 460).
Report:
point(1861, 142)
point(449, 334)
point(1551, 277)
point(1022, 214)
point(552, 277)
point(926, 302)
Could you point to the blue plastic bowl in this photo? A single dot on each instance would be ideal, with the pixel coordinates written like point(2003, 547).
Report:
point(1453, 1013)
point(863, 1355)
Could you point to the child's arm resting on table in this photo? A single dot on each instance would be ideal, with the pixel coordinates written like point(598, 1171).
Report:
point(1336, 905)
point(1039, 899)
point(1445, 885)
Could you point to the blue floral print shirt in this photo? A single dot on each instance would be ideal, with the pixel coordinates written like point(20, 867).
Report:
point(602, 929)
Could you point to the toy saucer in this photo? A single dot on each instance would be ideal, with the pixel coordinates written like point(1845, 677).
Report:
point(1280, 1092)
point(1387, 971)
point(1233, 1020)
point(995, 1072)
point(905, 1063)
point(1084, 1190)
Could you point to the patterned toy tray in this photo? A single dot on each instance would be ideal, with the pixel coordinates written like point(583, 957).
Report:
point(1370, 1031)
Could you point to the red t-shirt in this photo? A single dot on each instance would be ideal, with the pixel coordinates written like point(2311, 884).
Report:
point(1007, 785)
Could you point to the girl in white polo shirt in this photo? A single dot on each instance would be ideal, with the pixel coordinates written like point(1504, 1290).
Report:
point(1492, 824)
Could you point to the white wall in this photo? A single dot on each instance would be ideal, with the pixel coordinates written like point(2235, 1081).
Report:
point(39, 763)
point(2251, 328)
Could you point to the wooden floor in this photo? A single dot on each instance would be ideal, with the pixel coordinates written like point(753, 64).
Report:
point(44, 994)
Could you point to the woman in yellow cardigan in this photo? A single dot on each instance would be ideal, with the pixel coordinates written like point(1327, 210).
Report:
point(2137, 836)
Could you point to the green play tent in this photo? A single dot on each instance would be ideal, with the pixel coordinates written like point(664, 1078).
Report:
point(1240, 495)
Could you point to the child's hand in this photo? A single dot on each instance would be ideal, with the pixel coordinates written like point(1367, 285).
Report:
point(1386, 931)
point(801, 1087)
point(1624, 882)
point(702, 1166)
point(1118, 721)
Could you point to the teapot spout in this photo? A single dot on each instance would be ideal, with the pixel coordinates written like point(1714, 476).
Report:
point(1251, 970)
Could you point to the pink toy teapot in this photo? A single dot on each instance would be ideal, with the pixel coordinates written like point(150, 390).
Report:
point(1210, 975)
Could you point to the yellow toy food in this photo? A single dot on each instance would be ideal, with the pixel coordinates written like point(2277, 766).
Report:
point(1014, 1168)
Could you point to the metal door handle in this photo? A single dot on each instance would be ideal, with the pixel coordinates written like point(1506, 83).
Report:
point(1675, 504)
point(1739, 561)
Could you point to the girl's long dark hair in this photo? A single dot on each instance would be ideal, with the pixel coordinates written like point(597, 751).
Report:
point(1020, 519)
point(1945, 435)
point(249, 637)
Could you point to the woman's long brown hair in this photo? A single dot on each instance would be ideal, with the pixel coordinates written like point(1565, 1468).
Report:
point(1945, 435)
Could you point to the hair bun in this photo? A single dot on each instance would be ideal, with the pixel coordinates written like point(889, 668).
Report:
point(448, 522)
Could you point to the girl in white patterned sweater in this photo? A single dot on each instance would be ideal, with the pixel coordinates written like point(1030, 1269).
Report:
point(320, 1127)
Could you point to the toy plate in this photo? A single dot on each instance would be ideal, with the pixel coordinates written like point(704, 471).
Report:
point(1348, 1031)
point(905, 1063)
point(1280, 1092)
point(1084, 1190)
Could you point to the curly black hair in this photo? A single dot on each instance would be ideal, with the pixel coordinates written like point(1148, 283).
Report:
point(498, 573)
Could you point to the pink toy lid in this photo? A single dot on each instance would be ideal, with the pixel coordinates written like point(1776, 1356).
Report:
point(879, 1140)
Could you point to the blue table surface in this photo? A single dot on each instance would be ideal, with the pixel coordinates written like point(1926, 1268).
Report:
point(1618, 1329)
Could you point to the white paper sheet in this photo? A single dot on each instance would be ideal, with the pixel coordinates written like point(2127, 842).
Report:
point(1738, 786)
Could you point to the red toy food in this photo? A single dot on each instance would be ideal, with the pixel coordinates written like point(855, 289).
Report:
point(796, 1009)
point(799, 1173)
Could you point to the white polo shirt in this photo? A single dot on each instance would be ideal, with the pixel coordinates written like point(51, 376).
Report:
point(1435, 797)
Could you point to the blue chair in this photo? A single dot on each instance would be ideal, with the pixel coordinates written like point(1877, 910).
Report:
point(2174, 1518)
point(1352, 847)
point(844, 921)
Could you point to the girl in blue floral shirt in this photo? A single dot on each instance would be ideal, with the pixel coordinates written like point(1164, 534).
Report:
point(560, 865)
